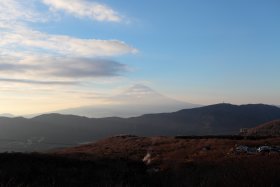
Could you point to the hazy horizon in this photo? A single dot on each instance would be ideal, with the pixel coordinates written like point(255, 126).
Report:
point(118, 110)
point(58, 54)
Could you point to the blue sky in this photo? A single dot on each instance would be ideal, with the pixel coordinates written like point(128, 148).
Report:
point(197, 51)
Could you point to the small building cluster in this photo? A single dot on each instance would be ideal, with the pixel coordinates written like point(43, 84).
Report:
point(260, 149)
point(243, 131)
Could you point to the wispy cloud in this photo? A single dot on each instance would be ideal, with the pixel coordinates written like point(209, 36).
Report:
point(15, 34)
point(11, 10)
point(28, 39)
point(26, 81)
point(60, 67)
point(79, 68)
point(84, 8)
point(28, 53)
point(40, 71)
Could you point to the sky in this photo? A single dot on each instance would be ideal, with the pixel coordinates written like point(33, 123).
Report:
point(57, 54)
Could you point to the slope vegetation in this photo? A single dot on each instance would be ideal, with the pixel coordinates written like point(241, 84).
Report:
point(268, 129)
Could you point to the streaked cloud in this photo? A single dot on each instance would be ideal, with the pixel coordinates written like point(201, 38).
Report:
point(79, 68)
point(28, 54)
point(57, 70)
point(84, 8)
point(11, 10)
point(41, 71)
point(6, 67)
point(15, 34)
point(31, 40)
point(26, 81)
point(60, 67)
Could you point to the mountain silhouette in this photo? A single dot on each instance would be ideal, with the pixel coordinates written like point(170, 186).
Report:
point(219, 119)
point(7, 115)
point(134, 101)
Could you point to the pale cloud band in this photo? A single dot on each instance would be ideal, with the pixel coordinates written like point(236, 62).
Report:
point(60, 67)
point(40, 71)
point(29, 54)
point(15, 34)
point(32, 40)
point(83, 8)
point(27, 81)
point(11, 10)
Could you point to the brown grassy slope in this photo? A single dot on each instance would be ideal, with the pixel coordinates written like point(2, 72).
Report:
point(268, 129)
point(167, 152)
point(190, 161)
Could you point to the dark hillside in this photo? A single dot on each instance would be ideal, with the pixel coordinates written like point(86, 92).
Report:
point(209, 120)
point(118, 161)
point(55, 130)
point(271, 128)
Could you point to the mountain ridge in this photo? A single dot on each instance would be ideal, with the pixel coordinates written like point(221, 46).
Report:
point(134, 101)
point(218, 119)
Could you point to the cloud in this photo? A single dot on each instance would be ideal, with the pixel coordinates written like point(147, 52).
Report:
point(84, 8)
point(11, 10)
point(15, 34)
point(12, 67)
point(79, 68)
point(31, 40)
point(40, 71)
point(26, 81)
point(28, 54)
point(47, 67)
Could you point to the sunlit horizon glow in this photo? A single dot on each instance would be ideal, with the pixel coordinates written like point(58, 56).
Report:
point(58, 54)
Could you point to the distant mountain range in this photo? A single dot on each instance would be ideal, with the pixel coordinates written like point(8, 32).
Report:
point(55, 130)
point(134, 101)
point(7, 115)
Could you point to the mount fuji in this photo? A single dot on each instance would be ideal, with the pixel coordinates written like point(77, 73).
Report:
point(134, 101)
